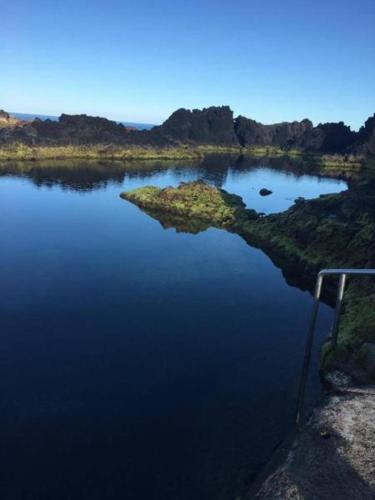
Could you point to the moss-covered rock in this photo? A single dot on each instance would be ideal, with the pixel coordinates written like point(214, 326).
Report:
point(193, 200)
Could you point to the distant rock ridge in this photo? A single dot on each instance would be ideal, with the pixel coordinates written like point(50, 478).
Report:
point(210, 126)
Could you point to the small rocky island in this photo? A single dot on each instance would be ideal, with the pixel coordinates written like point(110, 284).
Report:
point(194, 200)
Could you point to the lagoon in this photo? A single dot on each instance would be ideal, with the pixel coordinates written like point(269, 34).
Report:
point(137, 362)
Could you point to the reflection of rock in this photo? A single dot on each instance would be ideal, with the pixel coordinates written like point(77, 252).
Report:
point(265, 192)
point(180, 224)
point(81, 175)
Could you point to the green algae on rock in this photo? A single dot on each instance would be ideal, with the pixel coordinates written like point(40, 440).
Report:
point(195, 200)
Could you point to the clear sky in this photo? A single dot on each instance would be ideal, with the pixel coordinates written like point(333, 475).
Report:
point(271, 60)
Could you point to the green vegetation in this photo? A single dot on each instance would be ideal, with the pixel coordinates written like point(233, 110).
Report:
point(326, 163)
point(95, 152)
point(193, 200)
point(331, 231)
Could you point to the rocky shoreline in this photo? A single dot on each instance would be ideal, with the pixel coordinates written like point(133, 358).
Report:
point(331, 456)
point(331, 231)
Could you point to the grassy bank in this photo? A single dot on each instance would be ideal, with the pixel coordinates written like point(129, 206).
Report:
point(331, 231)
point(21, 152)
point(96, 152)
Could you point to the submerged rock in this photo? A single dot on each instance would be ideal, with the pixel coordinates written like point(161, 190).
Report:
point(265, 192)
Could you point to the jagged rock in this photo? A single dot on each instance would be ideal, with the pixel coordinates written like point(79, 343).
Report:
point(365, 142)
point(212, 125)
point(250, 132)
point(337, 137)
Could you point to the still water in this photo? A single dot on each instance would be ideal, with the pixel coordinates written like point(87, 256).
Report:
point(137, 362)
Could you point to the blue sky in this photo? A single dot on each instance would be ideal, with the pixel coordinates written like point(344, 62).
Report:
point(271, 60)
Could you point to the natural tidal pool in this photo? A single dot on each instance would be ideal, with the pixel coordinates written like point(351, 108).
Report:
point(137, 362)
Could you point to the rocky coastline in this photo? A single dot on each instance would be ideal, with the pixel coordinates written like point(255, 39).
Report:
point(186, 133)
point(331, 231)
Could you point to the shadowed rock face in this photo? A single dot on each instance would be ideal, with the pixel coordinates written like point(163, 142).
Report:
point(336, 137)
point(82, 129)
point(209, 126)
point(250, 132)
point(365, 143)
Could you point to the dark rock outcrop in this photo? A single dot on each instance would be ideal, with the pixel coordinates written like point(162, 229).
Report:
point(212, 125)
point(365, 140)
point(328, 138)
point(252, 133)
point(81, 129)
point(209, 126)
point(336, 137)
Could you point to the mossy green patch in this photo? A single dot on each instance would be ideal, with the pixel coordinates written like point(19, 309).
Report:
point(193, 200)
point(330, 165)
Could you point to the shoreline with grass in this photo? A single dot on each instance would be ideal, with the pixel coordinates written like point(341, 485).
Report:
point(335, 230)
point(21, 151)
point(336, 166)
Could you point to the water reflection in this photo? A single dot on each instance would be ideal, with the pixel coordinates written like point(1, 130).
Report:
point(147, 364)
point(89, 175)
point(77, 175)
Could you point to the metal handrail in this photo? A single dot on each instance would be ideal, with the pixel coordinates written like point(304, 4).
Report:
point(342, 273)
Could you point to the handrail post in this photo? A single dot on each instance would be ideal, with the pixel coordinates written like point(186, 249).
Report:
point(308, 347)
point(343, 273)
point(340, 296)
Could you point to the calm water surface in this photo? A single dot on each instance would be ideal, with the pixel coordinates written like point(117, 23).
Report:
point(137, 362)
